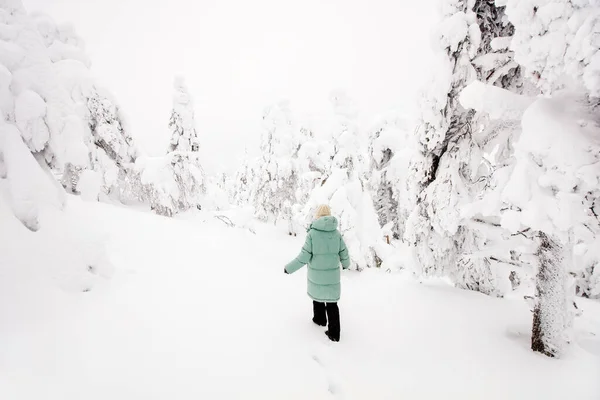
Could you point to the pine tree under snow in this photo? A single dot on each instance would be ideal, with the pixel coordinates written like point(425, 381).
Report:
point(176, 182)
point(243, 182)
point(562, 53)
point(586, 253)
point(447, 174)
point(182, 124)
point(345, 187)
point(549, 186)
point(313, 164)
point(73, 127)
point(173, 183)
point(112, 150)
point(459, 226)
point(44, 81)
point(109, 130)
point(556, 40)
point(274, 187)
point(544, 169)
point(43, 88)
point(220, 188)
point(564, 163)
point(390, 150)
point(64, 117)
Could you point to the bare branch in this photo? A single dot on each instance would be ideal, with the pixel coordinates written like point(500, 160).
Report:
point(522, 233)
point(225, 220)
point(498, 260)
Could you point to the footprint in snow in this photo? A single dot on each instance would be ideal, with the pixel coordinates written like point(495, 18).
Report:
point(332, 384)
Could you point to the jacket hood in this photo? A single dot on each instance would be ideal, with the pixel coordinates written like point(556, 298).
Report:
point(325, 224)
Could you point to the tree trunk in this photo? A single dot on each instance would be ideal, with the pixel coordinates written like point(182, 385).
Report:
point(550, 311)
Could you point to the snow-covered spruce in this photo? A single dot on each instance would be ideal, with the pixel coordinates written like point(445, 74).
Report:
point(545, 187)
point(550, 185)
point(175, 182)
point(586, 253)
point(182, 124)
point(113, 152)
point(313, 163)
point(64, 117)
point(44, 79)
point(345, 187)
point(274, 187)
point(42, 88)
point(244, 182)
point(449, 169)
point(219, 188)
point(556, 42)
point(391, 146)
point(549, 188)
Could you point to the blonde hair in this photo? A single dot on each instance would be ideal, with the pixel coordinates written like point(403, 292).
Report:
point(323, 211)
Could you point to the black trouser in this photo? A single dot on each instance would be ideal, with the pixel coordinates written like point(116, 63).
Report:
point(328, 311)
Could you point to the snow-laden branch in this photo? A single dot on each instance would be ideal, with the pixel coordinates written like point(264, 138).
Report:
point(498, 103)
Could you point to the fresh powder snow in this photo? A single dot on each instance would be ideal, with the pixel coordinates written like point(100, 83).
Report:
point(197, 309)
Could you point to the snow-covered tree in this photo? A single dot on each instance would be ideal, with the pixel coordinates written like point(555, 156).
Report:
point(390, 149)
point(447, 173)
point(555, 42)
point(108, 128)
point(543, 166)
point(112, 149)
point(43, 80)
point(461, 225)
point(345, 187)
point(182, 124)
point(244, 182)
point(557, 165)
point(557, 157)
point(274, 191)
point(65, 118)
point(586, 252)
point(44, 77)
point(219, 186)
point(175, 182)
point(313, 164)
point(562, 52)
point(442, 120)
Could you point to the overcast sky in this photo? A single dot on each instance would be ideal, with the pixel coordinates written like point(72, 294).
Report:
point(238, 56)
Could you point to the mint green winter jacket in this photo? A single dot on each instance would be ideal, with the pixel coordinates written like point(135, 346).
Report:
point(323, 251)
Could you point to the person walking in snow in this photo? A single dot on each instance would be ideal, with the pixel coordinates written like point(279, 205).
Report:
point(323, 251)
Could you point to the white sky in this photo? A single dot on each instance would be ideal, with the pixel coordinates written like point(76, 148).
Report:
point(239, 56)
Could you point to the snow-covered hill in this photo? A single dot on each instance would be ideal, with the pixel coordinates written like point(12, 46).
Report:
point(195, 309)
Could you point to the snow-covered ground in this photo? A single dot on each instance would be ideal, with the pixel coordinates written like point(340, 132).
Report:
point(195, 309)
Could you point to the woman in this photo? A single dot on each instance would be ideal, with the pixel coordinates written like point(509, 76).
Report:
point(323, 251)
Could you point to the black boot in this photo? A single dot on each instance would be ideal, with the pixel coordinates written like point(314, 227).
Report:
point(332, 337)
point(333, 314)
point(319, 315)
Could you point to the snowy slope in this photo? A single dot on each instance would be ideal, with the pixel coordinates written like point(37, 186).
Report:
point(198, 310)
